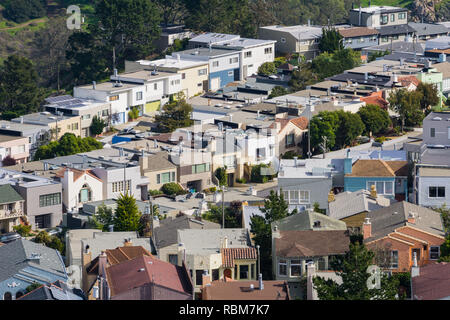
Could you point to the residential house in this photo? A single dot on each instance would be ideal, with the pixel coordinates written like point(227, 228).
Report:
point(84, 108)
point(223, 64)
point(56, 124)
point(25, 262)
point(11, 208)
point(159, 170)
point(302, 39)
point(95, 270)
point(36, 134)
point(290, 134)
point(377, 99)
point(292, 250)
point(359, 37)
point(43, 197)
point(165, 237)
point(401, 231)
point(444, 68)
point(305, 182)
point(391, 22)
point(308, 220)
point(54, 291)
point(170, 33)
point(352, 207)
point(194, 73)
point(253, 52)
point(431, 75)
point(427, 31)
point(221, 253)
point(245, 290)
point(389, 177)
point(431, 282)
point(18, 148)
point(79, 187)
point(147, 278)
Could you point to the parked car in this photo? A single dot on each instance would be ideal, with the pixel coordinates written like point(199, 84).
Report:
point(10, 237)
point(54, 231)
point(126, 131)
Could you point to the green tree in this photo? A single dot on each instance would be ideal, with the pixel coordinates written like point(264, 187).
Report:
point(19, 92)
point(172, 188)
point(176, 114)
point(23, 10)
point(221, 175)
point(329, 64)
point(68, 144)
point(133, 114)
point(302, 77)
point(378, 54)
point(429, 96)
point(278, 91)
point(42, 237)
point(33, 286)
point(232, 216)
point(275, 208)
point(407, 105)
point(102, 219)
point(267, 69)
point(326, 124)
point(375, 119)
point(23, 230)
point(331, 40)
point(350, 127)
point(352, 268)
point(127, 215)
point(97, 125)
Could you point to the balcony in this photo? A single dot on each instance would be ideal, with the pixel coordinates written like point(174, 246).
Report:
point(9, 214)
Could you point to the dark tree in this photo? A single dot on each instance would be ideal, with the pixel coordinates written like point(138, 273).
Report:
point(97, 125)
point(331, 40)
point(429, 96)
point(375, 119)
point(8, 161)
point(127, 215)
point(176, 114)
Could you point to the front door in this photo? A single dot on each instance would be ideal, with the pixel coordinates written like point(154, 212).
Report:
point(215, 84)
point(417, 251)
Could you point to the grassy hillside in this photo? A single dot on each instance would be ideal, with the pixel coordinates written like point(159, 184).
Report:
point(394, 3)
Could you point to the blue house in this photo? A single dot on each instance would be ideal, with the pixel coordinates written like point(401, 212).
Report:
point(389, 177)
point(23, 263)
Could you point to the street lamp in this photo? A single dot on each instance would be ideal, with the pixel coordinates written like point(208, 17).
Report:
point(259, 259)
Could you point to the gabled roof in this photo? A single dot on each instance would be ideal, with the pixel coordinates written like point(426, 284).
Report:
point(407, 80)
point(386, 220)
point(305, 221)
point(18, 255)
point(77, 174)
point(144, 270)
point(231, 254)
point(8, 194)
point(357, 32)
point(378, 168)
point(376, 100)
point(309, 243)
point(55, 291)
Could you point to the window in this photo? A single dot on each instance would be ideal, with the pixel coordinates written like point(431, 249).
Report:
point(282, 267)
point(85, 117)
point(75, 126)
point(248, 54)
point(183, 76)
point(202, 72)
point(293, 196)
point(384, 19)
point(392, 17)
point(243, 272)
point(290, 140)
point(215, 64)
point(7, 296)
point(199, 168)
point(155, 86)
point(85, 194)
point(19, 294)
point(395, 37)
point(304, 196)
point(434, 253)
point(261, 152)
point(173, 176)
point(436, 192)
point(105, 113)
point(402, 16)
point(296, 268)
point(114, 98)
point(43, 221)
point(321, 264)
point(158, 179)
point(165, 177)
point(139, 95)
point(173, 259)
point(230, 73)
point(432, 132)
point(283, 40)
point(394, 259)
point(215, 274)
point(199, 84)
point(234, 60)
point(382, 187)
point(198, 277)
point(384, 39)
point(268, 50)
point(175, 82)
point(22, 149)
point(47, 200)
point(118, 186)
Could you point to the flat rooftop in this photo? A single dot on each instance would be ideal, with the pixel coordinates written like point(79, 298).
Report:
point(173, 62)
point(206, 52)
point(298, 31)
point(380, 9)
point(42, 118)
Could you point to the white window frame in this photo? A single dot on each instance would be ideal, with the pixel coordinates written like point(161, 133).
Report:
point(285, 264)
point(215, 64)
point(438, 252)
point(370, 183)
point(392, 266)
point(139, 95)
point(437, 192)
point(291, 264)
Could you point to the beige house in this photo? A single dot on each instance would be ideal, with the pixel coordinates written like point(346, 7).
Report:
point(226, 154)
point(290, 134)
point(159, 170)
point(11, 208)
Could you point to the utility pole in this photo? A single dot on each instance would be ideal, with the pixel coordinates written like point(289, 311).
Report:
point(323, 145)
point(259, 259)
point(223, 208)
point(309, 130)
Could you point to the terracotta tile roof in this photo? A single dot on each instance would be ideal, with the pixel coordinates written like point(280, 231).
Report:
point(407, 80)
point(376, 100)
point(357, 32)
point(379, 168)
point(231, 254)
point(301, 122)
point(240, 290)
point(127, 275)
point(76, 173)
point(311, 243)
point(433, 282)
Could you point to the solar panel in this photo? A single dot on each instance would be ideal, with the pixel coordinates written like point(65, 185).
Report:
point(59, 98)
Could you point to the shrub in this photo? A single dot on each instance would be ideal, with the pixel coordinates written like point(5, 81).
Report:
point(380, 139)
point(23, 230)
point(256, 175)
point(267, 69)
point(241, 180)
point(155, 192)
point(8, 161)
point(172, 188)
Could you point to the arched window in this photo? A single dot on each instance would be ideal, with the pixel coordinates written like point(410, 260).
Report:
point(19, 294)
point(7, 296)
point(85, 194)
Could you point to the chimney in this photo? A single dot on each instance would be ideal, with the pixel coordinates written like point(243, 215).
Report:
point(310, 273)
point(102, 263)
point(21, 119)
point(367, 228)
point(94, 85)
point(415, 270)
point(225, 242)
point(257, 113)
point(411, 218)
point(261, 284)
point(366, 76)
point(373, 191)
point(206, 279)
point(45, 166)
point(331, 197)
point(128, 243)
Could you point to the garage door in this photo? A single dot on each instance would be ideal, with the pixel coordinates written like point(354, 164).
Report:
point(151, 107)
point(215, 84)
